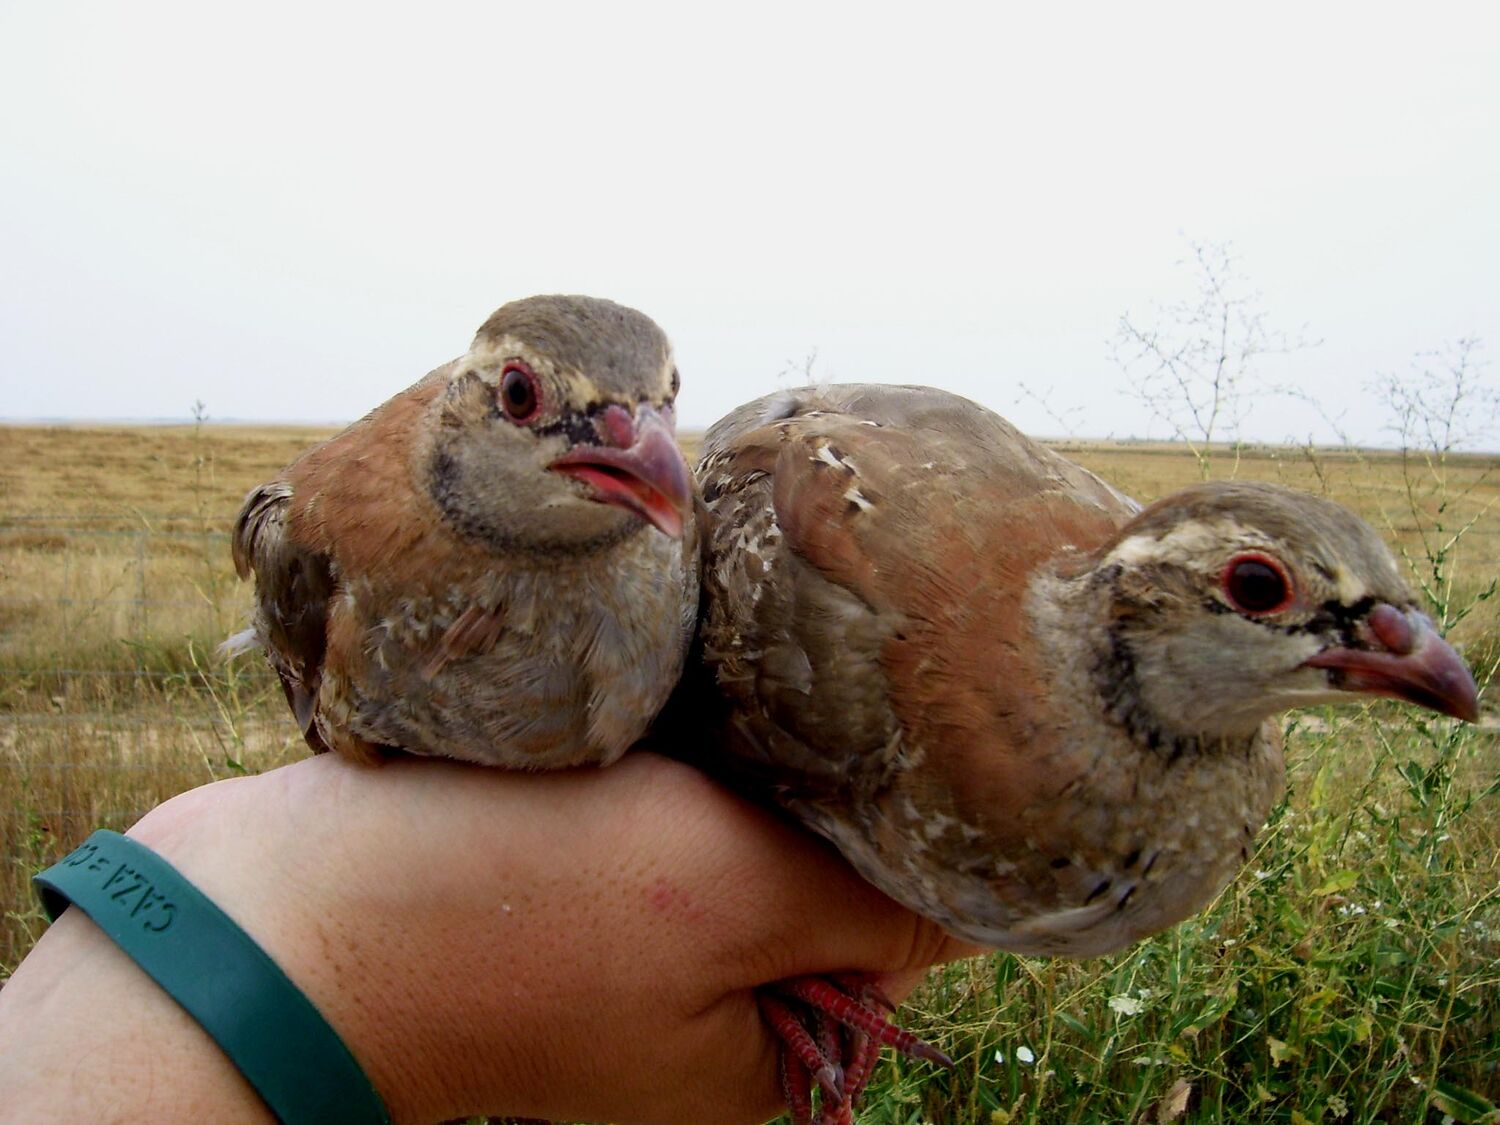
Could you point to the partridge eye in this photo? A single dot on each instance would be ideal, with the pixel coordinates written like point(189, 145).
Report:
point(518, 393)
point(1257, 584)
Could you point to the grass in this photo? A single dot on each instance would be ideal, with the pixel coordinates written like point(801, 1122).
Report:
point(1351, 974)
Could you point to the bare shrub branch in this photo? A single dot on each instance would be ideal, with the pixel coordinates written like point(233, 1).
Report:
point(1440, 406)
point(1065, 417)
point(1192, 364)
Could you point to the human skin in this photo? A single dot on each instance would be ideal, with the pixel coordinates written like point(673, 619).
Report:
point(578, 945)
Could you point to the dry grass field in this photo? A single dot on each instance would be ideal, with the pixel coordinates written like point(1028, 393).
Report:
point(1350, 975)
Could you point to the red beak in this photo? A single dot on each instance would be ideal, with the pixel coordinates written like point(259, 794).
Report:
point(1407, 660)
point(639, 468)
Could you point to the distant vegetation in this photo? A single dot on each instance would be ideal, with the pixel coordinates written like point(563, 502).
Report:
point(1352, 973)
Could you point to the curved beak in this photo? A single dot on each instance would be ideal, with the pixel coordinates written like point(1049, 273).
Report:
point(637, 467)
point(1406, 660)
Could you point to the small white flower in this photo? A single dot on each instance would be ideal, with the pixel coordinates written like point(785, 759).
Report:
point(1126, 1005)
point(1338, 1108)
point(1023, 1054)
point(1261, 873)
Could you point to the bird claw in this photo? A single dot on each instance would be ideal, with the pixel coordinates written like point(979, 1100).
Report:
point(832, 1038)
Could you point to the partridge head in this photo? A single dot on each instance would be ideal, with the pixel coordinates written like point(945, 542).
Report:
point(498, 564)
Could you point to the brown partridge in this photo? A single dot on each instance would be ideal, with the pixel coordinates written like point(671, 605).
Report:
point(1017, 703)
point(500, 563)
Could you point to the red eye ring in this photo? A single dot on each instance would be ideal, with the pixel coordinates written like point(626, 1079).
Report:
point(520, 394)
point(1256, 584)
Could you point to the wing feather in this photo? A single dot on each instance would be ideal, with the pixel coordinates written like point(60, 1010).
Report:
point(906, 522)
point(293, 586)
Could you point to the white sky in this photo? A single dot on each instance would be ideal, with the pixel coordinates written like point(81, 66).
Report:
point(291, 211)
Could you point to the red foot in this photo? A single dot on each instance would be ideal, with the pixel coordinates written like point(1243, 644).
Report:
point(823, 996)
point(798, 1045)
point(815, 1049)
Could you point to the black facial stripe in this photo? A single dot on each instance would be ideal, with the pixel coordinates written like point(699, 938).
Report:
point(575, 425)
point(1115, 676)
point(1331, 617)
point(579, 427)
point(1348, 616)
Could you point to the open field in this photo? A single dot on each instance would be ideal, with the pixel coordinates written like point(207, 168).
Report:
point(1352, 974)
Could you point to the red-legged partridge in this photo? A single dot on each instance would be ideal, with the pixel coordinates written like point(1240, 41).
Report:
point(500, 563)
point(1017, 703)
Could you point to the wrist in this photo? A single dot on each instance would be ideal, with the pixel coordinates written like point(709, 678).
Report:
point(85, 1035)
point(305, 907)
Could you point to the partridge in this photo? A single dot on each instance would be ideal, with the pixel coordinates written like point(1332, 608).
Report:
point(1017, 703)
point(499, 564)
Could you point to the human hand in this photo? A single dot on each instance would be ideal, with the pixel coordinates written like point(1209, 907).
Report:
point(580, 945)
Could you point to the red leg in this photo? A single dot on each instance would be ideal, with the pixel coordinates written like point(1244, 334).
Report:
point(862, 1053)
point(840, 1114)
point(865, 988)
point(796, 1088)
point(860, 1058)
point(796, 1041)
point(826, 1034)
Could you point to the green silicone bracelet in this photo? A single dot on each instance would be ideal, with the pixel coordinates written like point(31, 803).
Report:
point(203, 960)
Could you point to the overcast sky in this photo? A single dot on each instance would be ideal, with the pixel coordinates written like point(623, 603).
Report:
point(291, 211)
